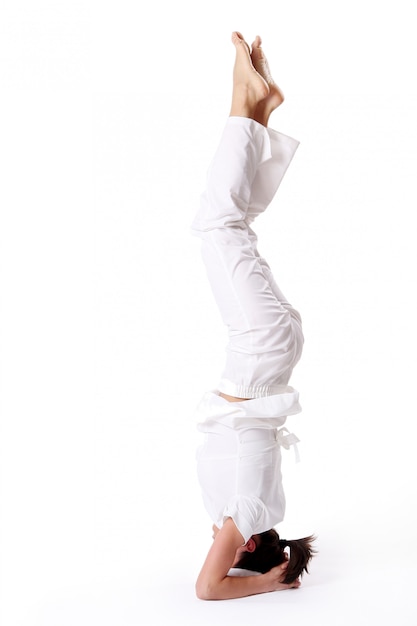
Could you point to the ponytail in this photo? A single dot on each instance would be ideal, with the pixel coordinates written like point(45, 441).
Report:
point(301, 553)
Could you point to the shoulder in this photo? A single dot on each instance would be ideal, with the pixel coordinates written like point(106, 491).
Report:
point(248, 514)
point(221, 556)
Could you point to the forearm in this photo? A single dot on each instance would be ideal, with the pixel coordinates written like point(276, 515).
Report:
point(213, 582)
point(234, 587)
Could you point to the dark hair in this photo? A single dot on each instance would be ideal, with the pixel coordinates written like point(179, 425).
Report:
point(270, 552)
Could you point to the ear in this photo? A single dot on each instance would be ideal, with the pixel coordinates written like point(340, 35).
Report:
point(250, 545)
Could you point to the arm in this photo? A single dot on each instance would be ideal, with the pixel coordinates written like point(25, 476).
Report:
point(213, 583)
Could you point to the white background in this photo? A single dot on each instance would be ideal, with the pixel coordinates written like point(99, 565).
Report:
point(110, 112)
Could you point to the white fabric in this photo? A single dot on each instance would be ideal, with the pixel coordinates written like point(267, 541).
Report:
point(265, 412)
point(242, 573)
point(265, 336)
point(239, 465)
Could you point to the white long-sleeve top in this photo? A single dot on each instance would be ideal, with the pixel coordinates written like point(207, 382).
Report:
point(239, 463)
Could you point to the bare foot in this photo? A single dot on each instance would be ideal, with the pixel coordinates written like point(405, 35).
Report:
point(275, 97)
point(249, 87)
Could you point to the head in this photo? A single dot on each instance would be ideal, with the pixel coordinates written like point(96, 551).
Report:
point(269, 551)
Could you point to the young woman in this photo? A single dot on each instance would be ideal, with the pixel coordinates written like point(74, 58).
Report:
point(239, 463)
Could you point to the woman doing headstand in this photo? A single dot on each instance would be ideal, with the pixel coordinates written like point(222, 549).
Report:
point(239, 465)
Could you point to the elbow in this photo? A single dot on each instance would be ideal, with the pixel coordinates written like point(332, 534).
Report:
point(204, 591)
point(201, 595)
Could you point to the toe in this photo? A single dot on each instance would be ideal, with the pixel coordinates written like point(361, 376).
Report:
point(257, 42)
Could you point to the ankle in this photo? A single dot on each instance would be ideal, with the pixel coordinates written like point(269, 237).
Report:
point(242, 106)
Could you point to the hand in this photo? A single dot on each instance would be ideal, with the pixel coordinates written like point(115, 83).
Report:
point(276, 575)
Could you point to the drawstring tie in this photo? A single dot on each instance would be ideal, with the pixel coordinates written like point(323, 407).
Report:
point(288, 440)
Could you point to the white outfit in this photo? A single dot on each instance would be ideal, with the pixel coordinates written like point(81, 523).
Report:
point(239, 464)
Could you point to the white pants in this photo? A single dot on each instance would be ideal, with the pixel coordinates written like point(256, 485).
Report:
point(265, 336)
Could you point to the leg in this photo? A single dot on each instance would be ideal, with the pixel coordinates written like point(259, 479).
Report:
point(264, 334)
point(270, 173)
point(255, 95)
